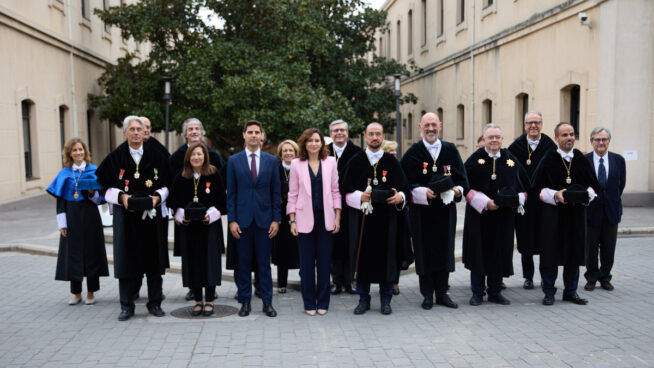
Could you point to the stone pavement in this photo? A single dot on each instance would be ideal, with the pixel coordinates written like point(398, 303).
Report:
point(616, 329)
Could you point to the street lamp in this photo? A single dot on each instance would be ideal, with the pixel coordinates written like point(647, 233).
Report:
point(398, 127)
point(167, 96)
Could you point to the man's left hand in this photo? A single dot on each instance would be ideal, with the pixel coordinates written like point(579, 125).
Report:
point(274, 228)
point(395, 199)
point(155, 201)
point(456, 191)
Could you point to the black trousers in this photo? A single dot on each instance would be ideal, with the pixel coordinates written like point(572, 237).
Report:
point(282, 277)
point(92, 285)
point(127, 288)
point(528, 266)
point(340, 272)
point(600, 240)
point(209, 293)
point(434, 282)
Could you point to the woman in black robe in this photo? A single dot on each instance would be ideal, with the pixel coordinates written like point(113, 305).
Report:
point(81, 244)
point(285, 253)
point(199, 187)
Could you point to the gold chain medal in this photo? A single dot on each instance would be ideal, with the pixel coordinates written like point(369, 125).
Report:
point(493, 176)
point(530, 152)
point(374, 180)
point(76, 194)
point(195, 189)
point(137, 174)
point(567, 169)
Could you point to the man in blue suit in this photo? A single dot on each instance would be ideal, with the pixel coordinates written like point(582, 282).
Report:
point(254, 213)
point(605, 212)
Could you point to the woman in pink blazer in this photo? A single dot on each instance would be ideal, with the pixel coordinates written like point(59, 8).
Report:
point(314, 209)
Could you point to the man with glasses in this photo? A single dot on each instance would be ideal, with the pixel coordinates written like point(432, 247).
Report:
point(343, 150)
point(529, 149)
point(605, 212)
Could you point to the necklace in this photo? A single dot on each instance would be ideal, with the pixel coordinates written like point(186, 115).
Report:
point(374, 171)
point(530, 152)
point(195, 188)
point(136, 173)
point(76, 179)
point(494, 176)
point(286, 174)
point(567, 169)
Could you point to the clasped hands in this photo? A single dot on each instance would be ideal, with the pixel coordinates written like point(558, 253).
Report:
point(124, 199)
point(395, 199)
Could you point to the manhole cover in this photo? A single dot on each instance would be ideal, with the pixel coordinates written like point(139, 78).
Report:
point(219, 311)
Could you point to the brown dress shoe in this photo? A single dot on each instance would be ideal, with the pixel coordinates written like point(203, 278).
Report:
point(606, 285)
point(590, 286)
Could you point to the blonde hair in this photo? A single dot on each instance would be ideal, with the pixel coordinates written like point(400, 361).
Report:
point(68, 149)
point(288, 141)
point(388, 146)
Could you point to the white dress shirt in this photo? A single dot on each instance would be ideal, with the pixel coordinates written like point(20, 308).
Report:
point(533, 144)
point(82, 167)
point(567, 156)
point(434, 149)
point(339, 150)
point(257, 158)
point(596, 159)
point(136, 154)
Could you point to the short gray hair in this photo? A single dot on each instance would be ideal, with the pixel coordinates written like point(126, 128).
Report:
point(533, 112)
point(193, 121)
point(131, 118)
point(336, 122)
point(599, 129)
point(490, 126)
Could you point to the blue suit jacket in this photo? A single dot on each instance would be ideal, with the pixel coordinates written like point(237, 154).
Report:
point(248, 201)
point(608, 202)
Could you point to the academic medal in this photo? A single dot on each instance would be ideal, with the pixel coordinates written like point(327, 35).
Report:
point(195, 199)
point(493, 177)
point(447, 170)
point(375, 181)
point(120, 176)
point(208, 186)
point(127, 185)
point(510, 163)
point(137, 175)
point(568, 180)
point(148, 183)
point(528, 162)
point(481, 161)
point(424, 168)
point(384, 172)
point(75, 195)
point(434, 168)
point(156, 174)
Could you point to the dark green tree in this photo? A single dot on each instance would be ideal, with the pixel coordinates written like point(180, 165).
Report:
point(291, 64)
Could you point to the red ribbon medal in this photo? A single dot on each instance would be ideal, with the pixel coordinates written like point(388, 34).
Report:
point(126, 185)
point(208, 186)
point(120, 176)
point(384, 172)
point(424, 168)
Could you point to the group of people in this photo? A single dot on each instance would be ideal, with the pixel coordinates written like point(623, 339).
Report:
point(359, 215)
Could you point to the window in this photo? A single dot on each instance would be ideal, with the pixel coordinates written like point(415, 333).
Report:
point(409, 128)
point(26, 107)
point(380, 52)
point(439, 112)
point(460, 119)
point(409, 33)
point(86, 11)
point(105, 6)
point(63, 113)
point(399, 42)
point(423, 32)
point(388, 45)
point(487, 3)
point(441, 18)
point(460, 11)
point(570, 101)
point(521, 108)
point(487, 113)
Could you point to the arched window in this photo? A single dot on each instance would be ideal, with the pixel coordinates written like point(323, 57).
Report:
point(409, 33)
point(487, 112)
point(439, 112)
point(27, 112)
point(521, 108)
point(63, 122)
point(423, 26)
point(399, 42)
point(460, 119)
point(570, 102)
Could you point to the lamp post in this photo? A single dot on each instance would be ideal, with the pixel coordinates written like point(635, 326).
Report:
point(167, 96)
point(398, 128)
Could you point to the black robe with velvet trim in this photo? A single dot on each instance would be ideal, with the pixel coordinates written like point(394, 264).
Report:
point(176, 162)
point(562, 236)
point(342, 244)
point(199, 243)
point(527, 226)
point(433, 227)
point(285, 252)
point(152, 141)
point(488, 236)
point(140, 245)
point(381, 253)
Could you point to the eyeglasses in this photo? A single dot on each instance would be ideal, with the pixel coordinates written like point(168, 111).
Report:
point(339, 130)
point(494, 137)
point(600, 140)
point(533, 123)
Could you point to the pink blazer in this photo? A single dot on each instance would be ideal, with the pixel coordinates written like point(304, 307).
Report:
point(299, 193)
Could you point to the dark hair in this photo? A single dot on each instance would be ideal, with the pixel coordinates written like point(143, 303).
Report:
point(207, 167)
point(556, 128)
point(252, 122)
point(302, 144)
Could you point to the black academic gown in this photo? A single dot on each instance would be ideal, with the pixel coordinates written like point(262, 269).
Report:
point(152, 141)
point(140, 245)
point(433, 227)
point(285, 252)
point(200, 244)
point(562, 236)
point(82, 253)
point(527, 226)
point(379, 259)
point(488, 237)
point(176, 162)
point(341, 250)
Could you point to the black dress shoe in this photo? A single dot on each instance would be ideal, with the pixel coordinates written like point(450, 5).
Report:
point(386, 308)
point(350, 290)
point(575, 299)
point(548, 300)
point(336, 289)
point(503, 286)
point(245, 310)
point(528, 284)
point(189, 296)
point(396, 291)
point(156, 311)
point(269, 310)
point(125, 314)
point(476, 300)
point(446, 301)
point(427, 303)
point(362, 307)
point(499, 299)
point(196, 312)
point(208, 310)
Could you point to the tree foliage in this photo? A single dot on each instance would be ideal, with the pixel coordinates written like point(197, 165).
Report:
point(291, 64)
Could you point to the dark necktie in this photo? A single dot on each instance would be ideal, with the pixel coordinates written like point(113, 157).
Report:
point(601, 173)
point(253, 167)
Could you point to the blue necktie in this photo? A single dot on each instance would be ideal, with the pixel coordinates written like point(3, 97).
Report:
point(601, 173)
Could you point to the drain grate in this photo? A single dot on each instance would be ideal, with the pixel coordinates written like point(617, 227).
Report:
point(219, 311)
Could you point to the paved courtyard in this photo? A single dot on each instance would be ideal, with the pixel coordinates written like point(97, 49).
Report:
point(616, 329)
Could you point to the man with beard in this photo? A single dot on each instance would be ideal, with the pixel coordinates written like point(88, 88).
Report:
point(375, 178)
point(433, 213)
point(566, 183)
point(343, 150)
point(194, 133)
point(495, 191)
point(134, 179)
point(529, 149)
